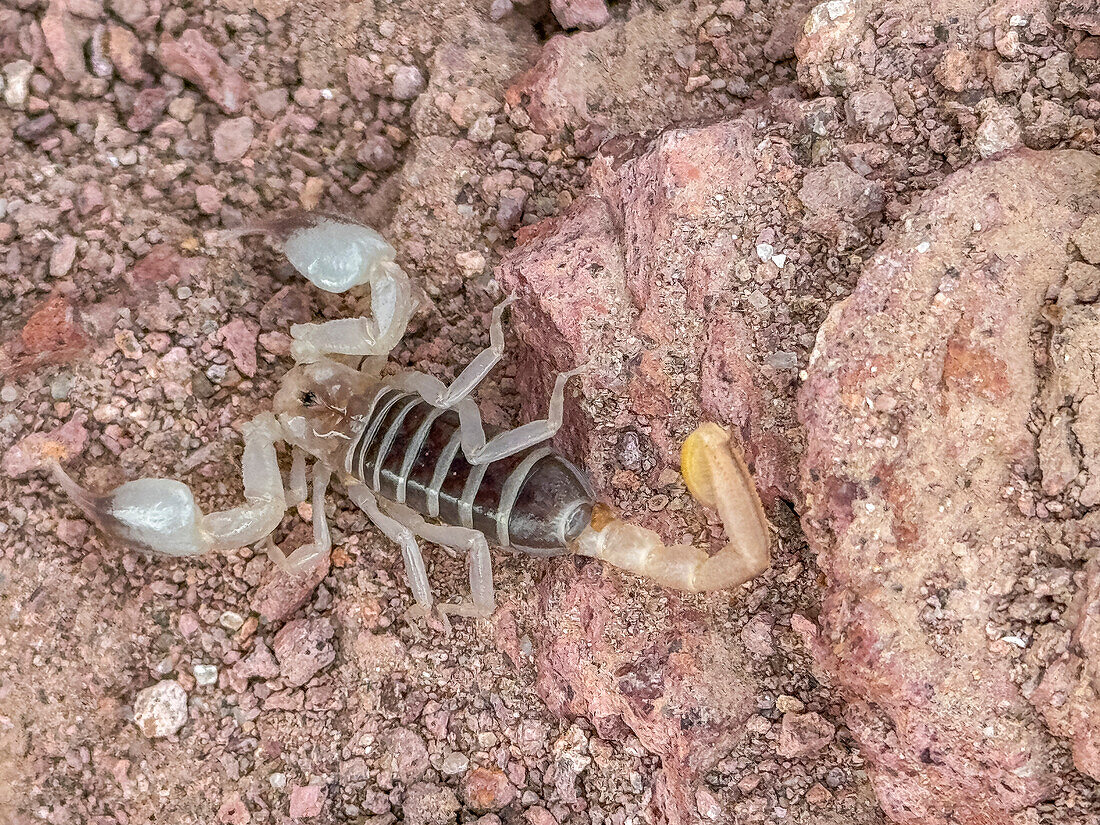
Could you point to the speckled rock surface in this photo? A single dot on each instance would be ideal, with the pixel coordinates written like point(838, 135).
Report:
point(944, 485)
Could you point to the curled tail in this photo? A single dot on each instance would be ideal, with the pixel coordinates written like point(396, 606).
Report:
point(717, 476)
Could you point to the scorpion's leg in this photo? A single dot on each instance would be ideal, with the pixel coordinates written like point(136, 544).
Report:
point(472, 541)
point(402, 535)
point(717, 476)
point(306, 557)
point(160, 514)
point(297, 491)
point(474, 446)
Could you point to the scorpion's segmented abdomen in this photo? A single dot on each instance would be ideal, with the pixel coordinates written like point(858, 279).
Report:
point(410, 452)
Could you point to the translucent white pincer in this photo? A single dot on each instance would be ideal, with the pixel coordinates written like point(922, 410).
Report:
point(337, 255)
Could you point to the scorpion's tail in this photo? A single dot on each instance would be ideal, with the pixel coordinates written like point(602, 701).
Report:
point(718, 477)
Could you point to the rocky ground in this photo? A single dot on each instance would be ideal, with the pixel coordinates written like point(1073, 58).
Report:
point(861, 234)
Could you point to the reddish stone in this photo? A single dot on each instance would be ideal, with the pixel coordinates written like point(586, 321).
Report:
point(233, 811)
point(232, 138)
point(405, 755)
point(803, 734)
point(60, 444)
point(290, 305)
point(302, 648)
point(487, 789)
point(149, 106)
point(162, 266)
point(195, 60)
point(637, 267)
point(52, 334)
point(65, 39)
point(127, 54)
point(306, 801)
point(280, 593)
point(580, 14)
point(208, 198)
point(239, 337)
point(602, 656)
point(920, 409)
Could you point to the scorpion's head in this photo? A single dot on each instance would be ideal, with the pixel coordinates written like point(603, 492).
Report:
point(317, 406)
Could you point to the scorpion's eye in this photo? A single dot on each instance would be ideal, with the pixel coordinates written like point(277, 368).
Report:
point(309, 398)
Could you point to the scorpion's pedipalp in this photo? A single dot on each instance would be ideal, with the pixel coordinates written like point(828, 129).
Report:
point(717, 476)
point(392, 304)
point(160, 514)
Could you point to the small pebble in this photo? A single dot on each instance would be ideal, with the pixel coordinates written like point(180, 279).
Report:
point(306, 801)
point(161, 710)
point(60, 386)
point(455, 764)
point(230, 620)
point(277, 780)
point(408, 83)
point(8, 394)
point(205, 674)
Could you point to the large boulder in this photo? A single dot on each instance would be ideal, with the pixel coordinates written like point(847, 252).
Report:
point(950, 480)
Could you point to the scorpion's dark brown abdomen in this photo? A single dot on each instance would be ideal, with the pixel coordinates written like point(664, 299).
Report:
point(410, 452)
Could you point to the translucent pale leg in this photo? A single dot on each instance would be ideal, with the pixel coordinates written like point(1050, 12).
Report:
point(297, 490)
point(482, 603)
point(474, 445)
point(392, 304)
point(160, 514)
point(401, 535)
point(717, 476)
point(306, 557)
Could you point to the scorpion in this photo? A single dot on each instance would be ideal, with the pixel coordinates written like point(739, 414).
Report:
point(415, 457)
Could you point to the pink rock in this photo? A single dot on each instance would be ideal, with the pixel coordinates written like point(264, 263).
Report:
point(72, 531)
point(239, 337)
point(52, 335)
point(306, 801)
point(208, 198)
point(90, 198)
point(149, 107)
point(63, 256)
point(428, 804)
point(1083, 15)
point(65, 39)
point(405, 755)
point(127, 54)
point(189, 624)
point(580, 14)
point(60, 444)
point(232, 138)
point(163, 265)
point(195, 60)
point(645, 678)
point(803, 734)
point(302, 648)
point(1067, 696)
point(910, 457)
point(280, 593)
point(233, 811)
point(641, 258)
point(580, 81)
point(836, 197)
point(487, 789)
point(258, 664)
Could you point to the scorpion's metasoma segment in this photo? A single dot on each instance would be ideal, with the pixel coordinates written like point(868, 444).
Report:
point(414, 455)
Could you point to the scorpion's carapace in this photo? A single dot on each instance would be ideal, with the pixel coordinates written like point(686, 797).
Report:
point(415, 456)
